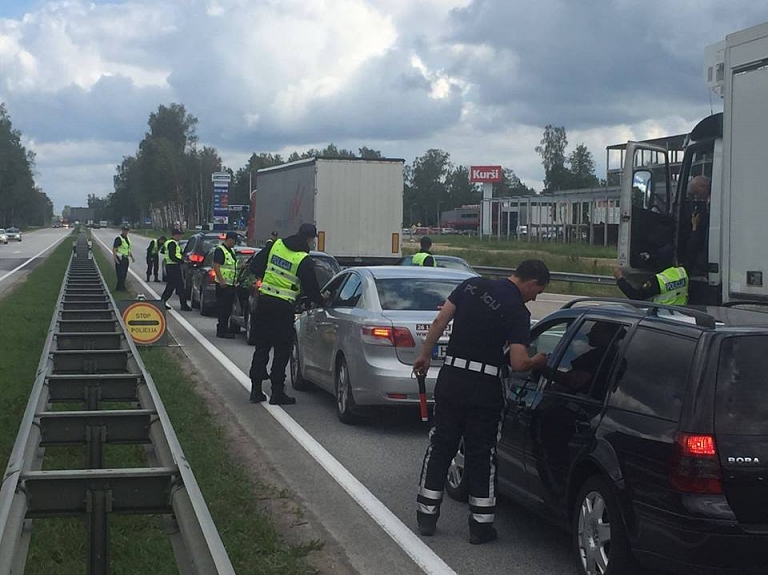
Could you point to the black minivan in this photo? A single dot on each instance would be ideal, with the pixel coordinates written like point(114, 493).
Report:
point(646, 436)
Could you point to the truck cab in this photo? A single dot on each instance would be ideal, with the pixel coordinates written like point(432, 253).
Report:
point(721, 185)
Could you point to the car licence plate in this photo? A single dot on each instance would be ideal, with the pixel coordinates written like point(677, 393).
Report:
point(438, 352)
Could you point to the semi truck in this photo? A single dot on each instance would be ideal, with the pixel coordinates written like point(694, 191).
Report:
point(726, 152)
point(356, 205)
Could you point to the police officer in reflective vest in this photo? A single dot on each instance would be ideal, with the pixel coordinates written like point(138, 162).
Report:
point(173, 271)
point(668, 286)
point(225, 268)
point(424, 257)
point(153, 259)
point(286, 271)
point(487, 315)
point(121, 251)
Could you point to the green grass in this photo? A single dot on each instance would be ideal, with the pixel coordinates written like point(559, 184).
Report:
point(138, 544)
point(570, 249)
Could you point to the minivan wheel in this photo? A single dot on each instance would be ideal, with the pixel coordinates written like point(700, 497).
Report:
point(600, 540)
point(297, 378)
point(345, 403)
point(456, 481)
point(250, 330)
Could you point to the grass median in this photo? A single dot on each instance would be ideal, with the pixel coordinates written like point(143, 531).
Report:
point(138, 544)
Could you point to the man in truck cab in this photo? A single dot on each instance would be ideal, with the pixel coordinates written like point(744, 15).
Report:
point(423, 257)
point(694, 238)
point(668, 286)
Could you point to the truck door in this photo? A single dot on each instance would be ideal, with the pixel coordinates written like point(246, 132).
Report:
point(647, 223)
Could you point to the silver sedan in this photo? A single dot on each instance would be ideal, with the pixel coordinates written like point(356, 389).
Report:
point(361, 345)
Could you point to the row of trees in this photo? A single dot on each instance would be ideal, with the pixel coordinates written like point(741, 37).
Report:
point(169, 178)
point(22, 203)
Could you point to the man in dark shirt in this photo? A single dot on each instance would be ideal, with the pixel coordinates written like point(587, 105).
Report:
point(424, 257)
point(487, 315)
point(225, 268)
point(173, 270)
point(121, 252)
point(286, 271)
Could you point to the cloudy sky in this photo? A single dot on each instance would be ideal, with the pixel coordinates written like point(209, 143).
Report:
point(476, 78)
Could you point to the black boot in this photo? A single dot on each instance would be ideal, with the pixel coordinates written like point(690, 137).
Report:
point(257, 396)
point(224, 333)
point(185, 307)
point(427, 522)
point(279, 397)
point(480, 533)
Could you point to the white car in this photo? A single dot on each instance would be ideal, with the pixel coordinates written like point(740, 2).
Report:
point(13, 234)
point(3, 236)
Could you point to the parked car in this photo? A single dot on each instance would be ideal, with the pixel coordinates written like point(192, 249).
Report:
point(3, 236)
point(452, 262)
point(13, 234)
point(362, 344)
point(195, 250)
point(646, 436)
point(203, 279)
point(247, 298)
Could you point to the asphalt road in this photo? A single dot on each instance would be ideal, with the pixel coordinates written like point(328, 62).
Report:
point(384, 454)
point(17, 259)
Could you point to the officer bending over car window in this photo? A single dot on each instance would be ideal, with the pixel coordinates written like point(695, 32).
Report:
point(469, 396)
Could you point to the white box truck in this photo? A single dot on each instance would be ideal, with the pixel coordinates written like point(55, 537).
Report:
point(727, 152)
point(356, 204)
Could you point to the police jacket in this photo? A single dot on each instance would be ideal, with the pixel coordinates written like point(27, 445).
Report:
point(674, 291)
point(305, 272)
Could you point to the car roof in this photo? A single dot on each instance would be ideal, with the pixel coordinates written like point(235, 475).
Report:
point(417, 272)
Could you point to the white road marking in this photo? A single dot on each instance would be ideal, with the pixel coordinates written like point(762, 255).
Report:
point(406, 539)
point(14, 270)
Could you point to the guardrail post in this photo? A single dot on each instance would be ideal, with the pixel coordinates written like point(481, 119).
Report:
point(98, 504)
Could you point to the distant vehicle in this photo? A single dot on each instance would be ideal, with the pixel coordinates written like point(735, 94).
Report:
point(442, 261)
point(203, 292)
point(357, 205)
point(14, 234)
point(103, 223)
point(3, 236)
point(522, 231)
point(195, 250)
point(447, 231)
point(247, 298)
point(361, 346)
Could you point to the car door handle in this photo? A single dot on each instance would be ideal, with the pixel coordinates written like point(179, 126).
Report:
point(582, 425)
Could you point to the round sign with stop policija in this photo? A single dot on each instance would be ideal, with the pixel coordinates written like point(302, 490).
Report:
point(145, 322)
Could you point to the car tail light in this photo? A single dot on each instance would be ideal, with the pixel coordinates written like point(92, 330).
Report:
point(196, 258)
point(255, 287)
point(385, 335)
point(212, 275)
point(695, 466)
point(247, 252)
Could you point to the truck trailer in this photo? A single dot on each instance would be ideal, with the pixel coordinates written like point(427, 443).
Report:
point(356, 205)
point(725, 151)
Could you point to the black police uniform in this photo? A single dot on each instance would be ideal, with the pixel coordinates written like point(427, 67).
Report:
point(173, 273)
point(469, 398)
point(225, 296)
point(121, 266)
point(153, 258)
point(273, 318)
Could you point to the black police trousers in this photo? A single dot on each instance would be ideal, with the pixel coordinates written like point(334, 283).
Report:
point(121, 270)
point(225, 296)
point(175, 282)
point(273, 326)
point(468, 405)
point(153, 264)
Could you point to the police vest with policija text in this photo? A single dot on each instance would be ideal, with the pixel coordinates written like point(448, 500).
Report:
point(124, 249)
point(172, 247)
point(229, 268)
point(281, 279)
point(153, 247)
point(420, 257)
point(673, 286)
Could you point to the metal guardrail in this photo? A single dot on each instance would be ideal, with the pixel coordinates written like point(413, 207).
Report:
point(556, 276)
point(89, 358)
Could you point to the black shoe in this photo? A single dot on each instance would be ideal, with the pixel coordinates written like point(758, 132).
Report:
point(427, 523)
point(480, 533)
point(226, 335)
point(156, 280)
point(281, 399)
point(258, 397)
point(168, 307)
point(185, 307)
point(147, 278)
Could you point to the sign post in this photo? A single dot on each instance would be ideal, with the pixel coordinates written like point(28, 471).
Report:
point(221, 200)
point(487, 175)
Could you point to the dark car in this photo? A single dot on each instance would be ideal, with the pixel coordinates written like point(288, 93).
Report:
point(452, 262)
point(244, 305)
point(646, 436)
point(203, 279)
point(196, 249)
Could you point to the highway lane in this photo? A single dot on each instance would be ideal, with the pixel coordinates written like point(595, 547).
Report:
point(384, 454)
point(17, 259)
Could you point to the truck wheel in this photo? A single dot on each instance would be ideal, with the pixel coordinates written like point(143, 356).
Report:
point(345, 403)
point(599, 538)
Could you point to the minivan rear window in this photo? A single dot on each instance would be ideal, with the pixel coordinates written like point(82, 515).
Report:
point(742, 386)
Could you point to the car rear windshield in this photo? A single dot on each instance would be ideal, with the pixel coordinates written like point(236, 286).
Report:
point(742, 387)
point(210, 243)
point(325, 268)
point(414, 293)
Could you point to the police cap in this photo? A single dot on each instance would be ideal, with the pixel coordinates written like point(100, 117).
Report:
point(231, 236)
point(308, 231)
point(176, 232)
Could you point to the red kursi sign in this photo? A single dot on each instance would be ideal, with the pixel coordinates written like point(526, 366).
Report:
point(490, 174)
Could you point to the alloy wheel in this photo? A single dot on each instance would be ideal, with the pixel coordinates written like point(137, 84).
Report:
point(594, 534)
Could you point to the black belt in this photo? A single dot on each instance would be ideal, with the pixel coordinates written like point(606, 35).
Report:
point(471, 365)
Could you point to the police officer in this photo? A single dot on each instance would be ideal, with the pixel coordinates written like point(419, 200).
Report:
point(121, 251)
point(225, 268)
point(423, 257)
point(153, 256)
point(173, 271)
point(272, 237)
point(668, 286)
point(286, 270)
point(469, 396)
